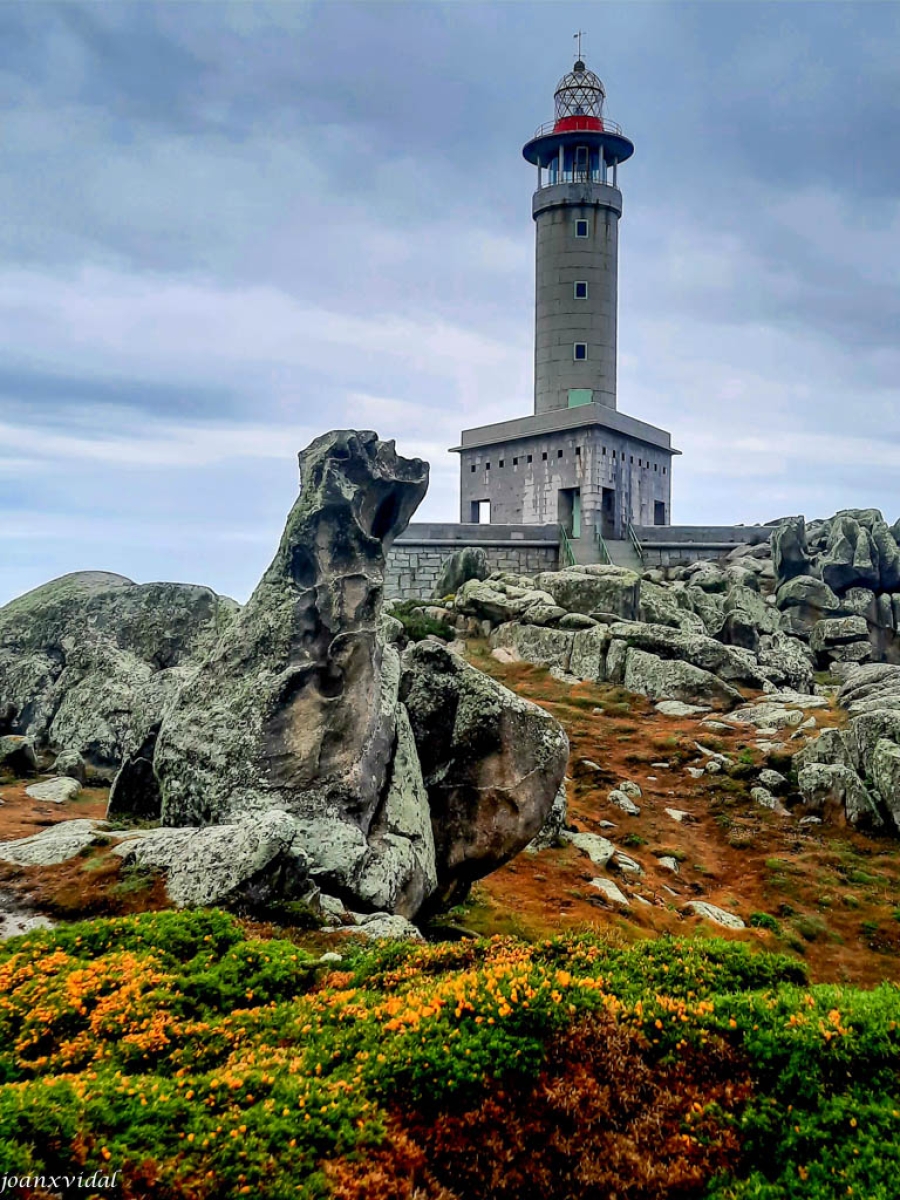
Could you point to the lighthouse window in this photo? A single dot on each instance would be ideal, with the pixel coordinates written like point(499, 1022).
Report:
point(544, 456)
point(581, 290)
point(581, 228)
point(580, 351)
point(528, 458)
point(515, 462)
point(473, 468)
point(501, 464)
point(559, 454)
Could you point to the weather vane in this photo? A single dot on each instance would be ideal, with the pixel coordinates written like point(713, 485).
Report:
point(578, 37)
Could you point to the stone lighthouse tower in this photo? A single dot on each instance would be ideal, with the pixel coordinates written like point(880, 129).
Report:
point(576, 209)
point(577, 465)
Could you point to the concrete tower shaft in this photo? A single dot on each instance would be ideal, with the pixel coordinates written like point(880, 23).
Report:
point(576, 294)
point(576, 209)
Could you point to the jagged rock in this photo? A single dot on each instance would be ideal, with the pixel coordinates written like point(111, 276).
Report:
point(839, 789)
point(851, 558)
point(670, 679)
point(668, 863)
point(588, 656)
point(831, 748)
point(627, 864)
point(17, 755)
point(615, 660)
point(71, 764)
point(708, 607)
point(630, 788)
point(598, 849)
point(709, 912)
point(677, 814)
point(885, 773)
point(790, 554)
point(468, 563)
point(252, 862)
point(727, 662)
point(594, 589)
point(492, 764)
point(54, 791)
point(89, 661)
point(294, 710)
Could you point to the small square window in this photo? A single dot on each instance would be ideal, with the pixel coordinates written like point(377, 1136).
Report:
point(581, 290)
point(528, 459)
point(515, 462)
point(578, 452)
point(473, 468)
point(581, 228)
point(559, 454)
point(487, 466)
point(631, 458)
point(664, 470)
point(604, 449)
point(500, 464)
point(544, 456)
point(579, 351)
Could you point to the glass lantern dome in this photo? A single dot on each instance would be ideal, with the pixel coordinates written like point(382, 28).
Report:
point(579, 94)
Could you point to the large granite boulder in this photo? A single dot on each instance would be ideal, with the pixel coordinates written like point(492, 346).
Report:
point(840, 791)
point(594, 589)
point(90, 661)
point(870, 687)
point(667, 679)
point(886, 778)
point(536, 644)
point(730, 663)
point(469, 563)
point(492, 764)
point(295, 709)
point(497, 600)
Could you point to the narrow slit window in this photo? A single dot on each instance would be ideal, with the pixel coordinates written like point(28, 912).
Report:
point(501, 464)
point(515, 462)
point(544, 456)
point(581, 289)
point(559, 454)
point(579, 351)
point(529, 458)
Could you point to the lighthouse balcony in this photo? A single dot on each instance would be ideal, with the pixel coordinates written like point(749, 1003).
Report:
point(578, 124)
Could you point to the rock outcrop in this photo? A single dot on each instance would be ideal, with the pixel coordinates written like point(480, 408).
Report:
point(90, 661)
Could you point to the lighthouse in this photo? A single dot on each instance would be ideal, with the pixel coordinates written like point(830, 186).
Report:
point(576, 210)
point(577, 461)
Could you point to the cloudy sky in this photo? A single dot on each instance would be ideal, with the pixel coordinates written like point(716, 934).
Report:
point(227, 228)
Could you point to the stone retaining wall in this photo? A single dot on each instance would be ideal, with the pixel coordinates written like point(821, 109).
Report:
point(414, 565)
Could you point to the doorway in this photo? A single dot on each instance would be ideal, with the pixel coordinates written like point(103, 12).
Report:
point(608, 513)
point(568, 511)
point(659, 512)
point(480, 512)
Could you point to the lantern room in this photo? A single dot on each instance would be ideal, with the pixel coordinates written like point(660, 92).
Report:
point(581, 144)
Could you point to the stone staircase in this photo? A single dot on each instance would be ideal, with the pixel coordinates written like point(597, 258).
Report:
point(623, 554)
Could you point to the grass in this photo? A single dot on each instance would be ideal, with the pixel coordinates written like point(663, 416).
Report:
point(201, 1062)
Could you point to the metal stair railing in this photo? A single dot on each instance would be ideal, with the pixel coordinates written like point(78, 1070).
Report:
point(638, 548)
point(605, 556)
point(566, 553)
